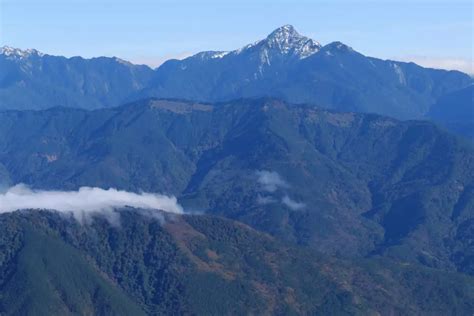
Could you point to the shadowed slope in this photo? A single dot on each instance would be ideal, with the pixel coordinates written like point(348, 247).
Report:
point(201, 265)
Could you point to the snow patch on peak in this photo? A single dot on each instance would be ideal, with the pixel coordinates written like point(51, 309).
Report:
point(219, 55)
point(122, 61)
point(283, 32)
point(12, 52)
point(288, 41)
point(246, 47)
point(284, 43)
point(399, 73)
point(337, 46)
point(285, 40)
point(210, 55)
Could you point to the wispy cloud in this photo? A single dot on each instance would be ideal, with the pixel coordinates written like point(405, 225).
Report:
point(270, 180)
point(292, 204)
point(84, 202)
point(462, 64)
point(263, 200)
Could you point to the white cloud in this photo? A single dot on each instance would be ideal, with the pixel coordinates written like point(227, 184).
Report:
point(263, 200)
point(270, 180)
point(462, 64)
point(292, 204)
point(84, 202)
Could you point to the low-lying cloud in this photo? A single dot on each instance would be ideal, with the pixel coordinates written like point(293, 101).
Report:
point(292, 204)
point(273, 183)
point(270, 180)
point(84, 202)
point(263, 200)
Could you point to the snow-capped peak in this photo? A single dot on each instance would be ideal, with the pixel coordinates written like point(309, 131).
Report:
point(18, 53)
point(283, 34)
point(285, 40)
point(288, 41)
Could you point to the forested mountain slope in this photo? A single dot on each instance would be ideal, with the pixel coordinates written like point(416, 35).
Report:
point(343, 183)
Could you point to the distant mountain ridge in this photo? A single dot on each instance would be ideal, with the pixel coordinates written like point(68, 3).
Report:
point(285, 65)
point(455, 111)
point(32, 80)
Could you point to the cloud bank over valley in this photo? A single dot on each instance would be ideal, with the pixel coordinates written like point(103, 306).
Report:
point(85, 202)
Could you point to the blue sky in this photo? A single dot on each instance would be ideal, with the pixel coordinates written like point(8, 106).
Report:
point(431, 32)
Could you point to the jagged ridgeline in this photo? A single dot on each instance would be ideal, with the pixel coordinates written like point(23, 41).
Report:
point(286, 65)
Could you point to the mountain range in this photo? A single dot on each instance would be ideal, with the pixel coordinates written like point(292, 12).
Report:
point(32, 80)
point(285, 65)
point(314, 181)
point(345, 184)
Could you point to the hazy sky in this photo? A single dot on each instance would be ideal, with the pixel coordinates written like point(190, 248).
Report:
point(434, 32)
